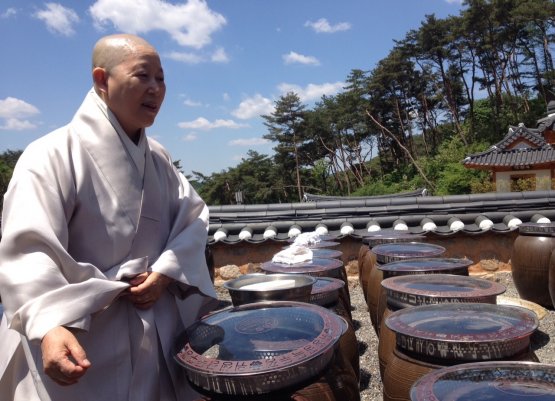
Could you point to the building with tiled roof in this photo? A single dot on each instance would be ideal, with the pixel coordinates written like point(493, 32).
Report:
point(524, 153)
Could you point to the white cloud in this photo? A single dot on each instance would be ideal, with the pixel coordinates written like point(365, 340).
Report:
point(10, 12)
point(312, 91)
point(58, 18)
point(226, 96)
point(254, 106)
point(14, 124)
point(190, 24)
point(11, 107)
point(202, 123)
point(220, 56)
point(190, 137)
point(294, 57)
point(191, 103)
point(248, 142)
point(185, 57)
point(454, 1)
point(323, 26)
point(14, 113)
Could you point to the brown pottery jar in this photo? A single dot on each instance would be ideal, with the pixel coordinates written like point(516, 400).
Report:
point(388, 253)
point(530, 262)
point(367, 259)
point(430, 337)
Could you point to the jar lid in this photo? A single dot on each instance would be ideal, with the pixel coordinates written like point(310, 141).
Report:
point(326, 253)
point(425, 266)
point(316, 266)
point(259, 347)
point(424, 289)
point(463, 331)
point(386, 237)
point(325, 290)
point(386, 253)
point(546, 229)
point(492, 381)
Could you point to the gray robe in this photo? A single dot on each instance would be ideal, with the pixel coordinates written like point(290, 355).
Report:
point(81, 214)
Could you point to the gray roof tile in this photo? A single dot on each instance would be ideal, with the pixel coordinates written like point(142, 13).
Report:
point(473, 211)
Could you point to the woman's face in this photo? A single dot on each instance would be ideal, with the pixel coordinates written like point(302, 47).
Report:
point(136, 89)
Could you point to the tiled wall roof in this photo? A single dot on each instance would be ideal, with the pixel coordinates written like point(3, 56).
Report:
point(512, 158)
point(502, 155)
point(442, 215)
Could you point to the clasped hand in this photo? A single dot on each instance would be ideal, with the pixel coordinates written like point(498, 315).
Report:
point(146, 288)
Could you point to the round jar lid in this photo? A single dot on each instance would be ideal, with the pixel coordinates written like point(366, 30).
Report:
point(386, 237)
point(463, 331)
point(539, 229)
point(492, 381)
point(386, 253)
point(316, 266)
point(260, 347)
point(425, 266)
point(326, 253)
point(425, 289)
point(326, 290)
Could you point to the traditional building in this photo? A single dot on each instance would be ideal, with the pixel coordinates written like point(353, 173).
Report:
point(524, 153)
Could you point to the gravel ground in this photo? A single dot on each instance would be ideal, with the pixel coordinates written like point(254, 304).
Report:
point(370, 383)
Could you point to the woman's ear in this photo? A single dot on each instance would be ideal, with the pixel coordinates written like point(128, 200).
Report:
point(100, 79)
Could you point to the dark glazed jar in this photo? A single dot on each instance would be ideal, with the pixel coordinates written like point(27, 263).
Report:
point(269, 351)
point(317, 267)
point(367, 259)
point(530, 262)
point(433, 336)
point(492, 381)
point(388, 253)
point(422, 289)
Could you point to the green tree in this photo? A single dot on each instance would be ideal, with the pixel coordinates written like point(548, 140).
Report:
point(8, 160)
point(256, 177)
point(286, 129)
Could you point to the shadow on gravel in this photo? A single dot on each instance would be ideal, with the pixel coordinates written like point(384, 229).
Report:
point(365, 377)
point(362, 347)
point(539, 339)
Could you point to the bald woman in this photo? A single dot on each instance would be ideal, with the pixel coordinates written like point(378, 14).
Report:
point(102, 260)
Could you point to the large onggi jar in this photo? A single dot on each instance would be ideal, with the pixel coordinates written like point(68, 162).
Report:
point(317, 267)
point(425, 289)
point(530, 262)
point(431, 337)
point(492, 381)
point(392, 252)
point(367, 259)
point(268, 351)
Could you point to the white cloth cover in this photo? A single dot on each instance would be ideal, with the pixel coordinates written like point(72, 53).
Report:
point(293, 254)
point(80, 216)
point(305, 239)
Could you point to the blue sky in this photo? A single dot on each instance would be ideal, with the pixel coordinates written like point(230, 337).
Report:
point(226, 62)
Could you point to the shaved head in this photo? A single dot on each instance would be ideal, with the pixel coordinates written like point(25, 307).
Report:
point(129, 78)
point(111, 50)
